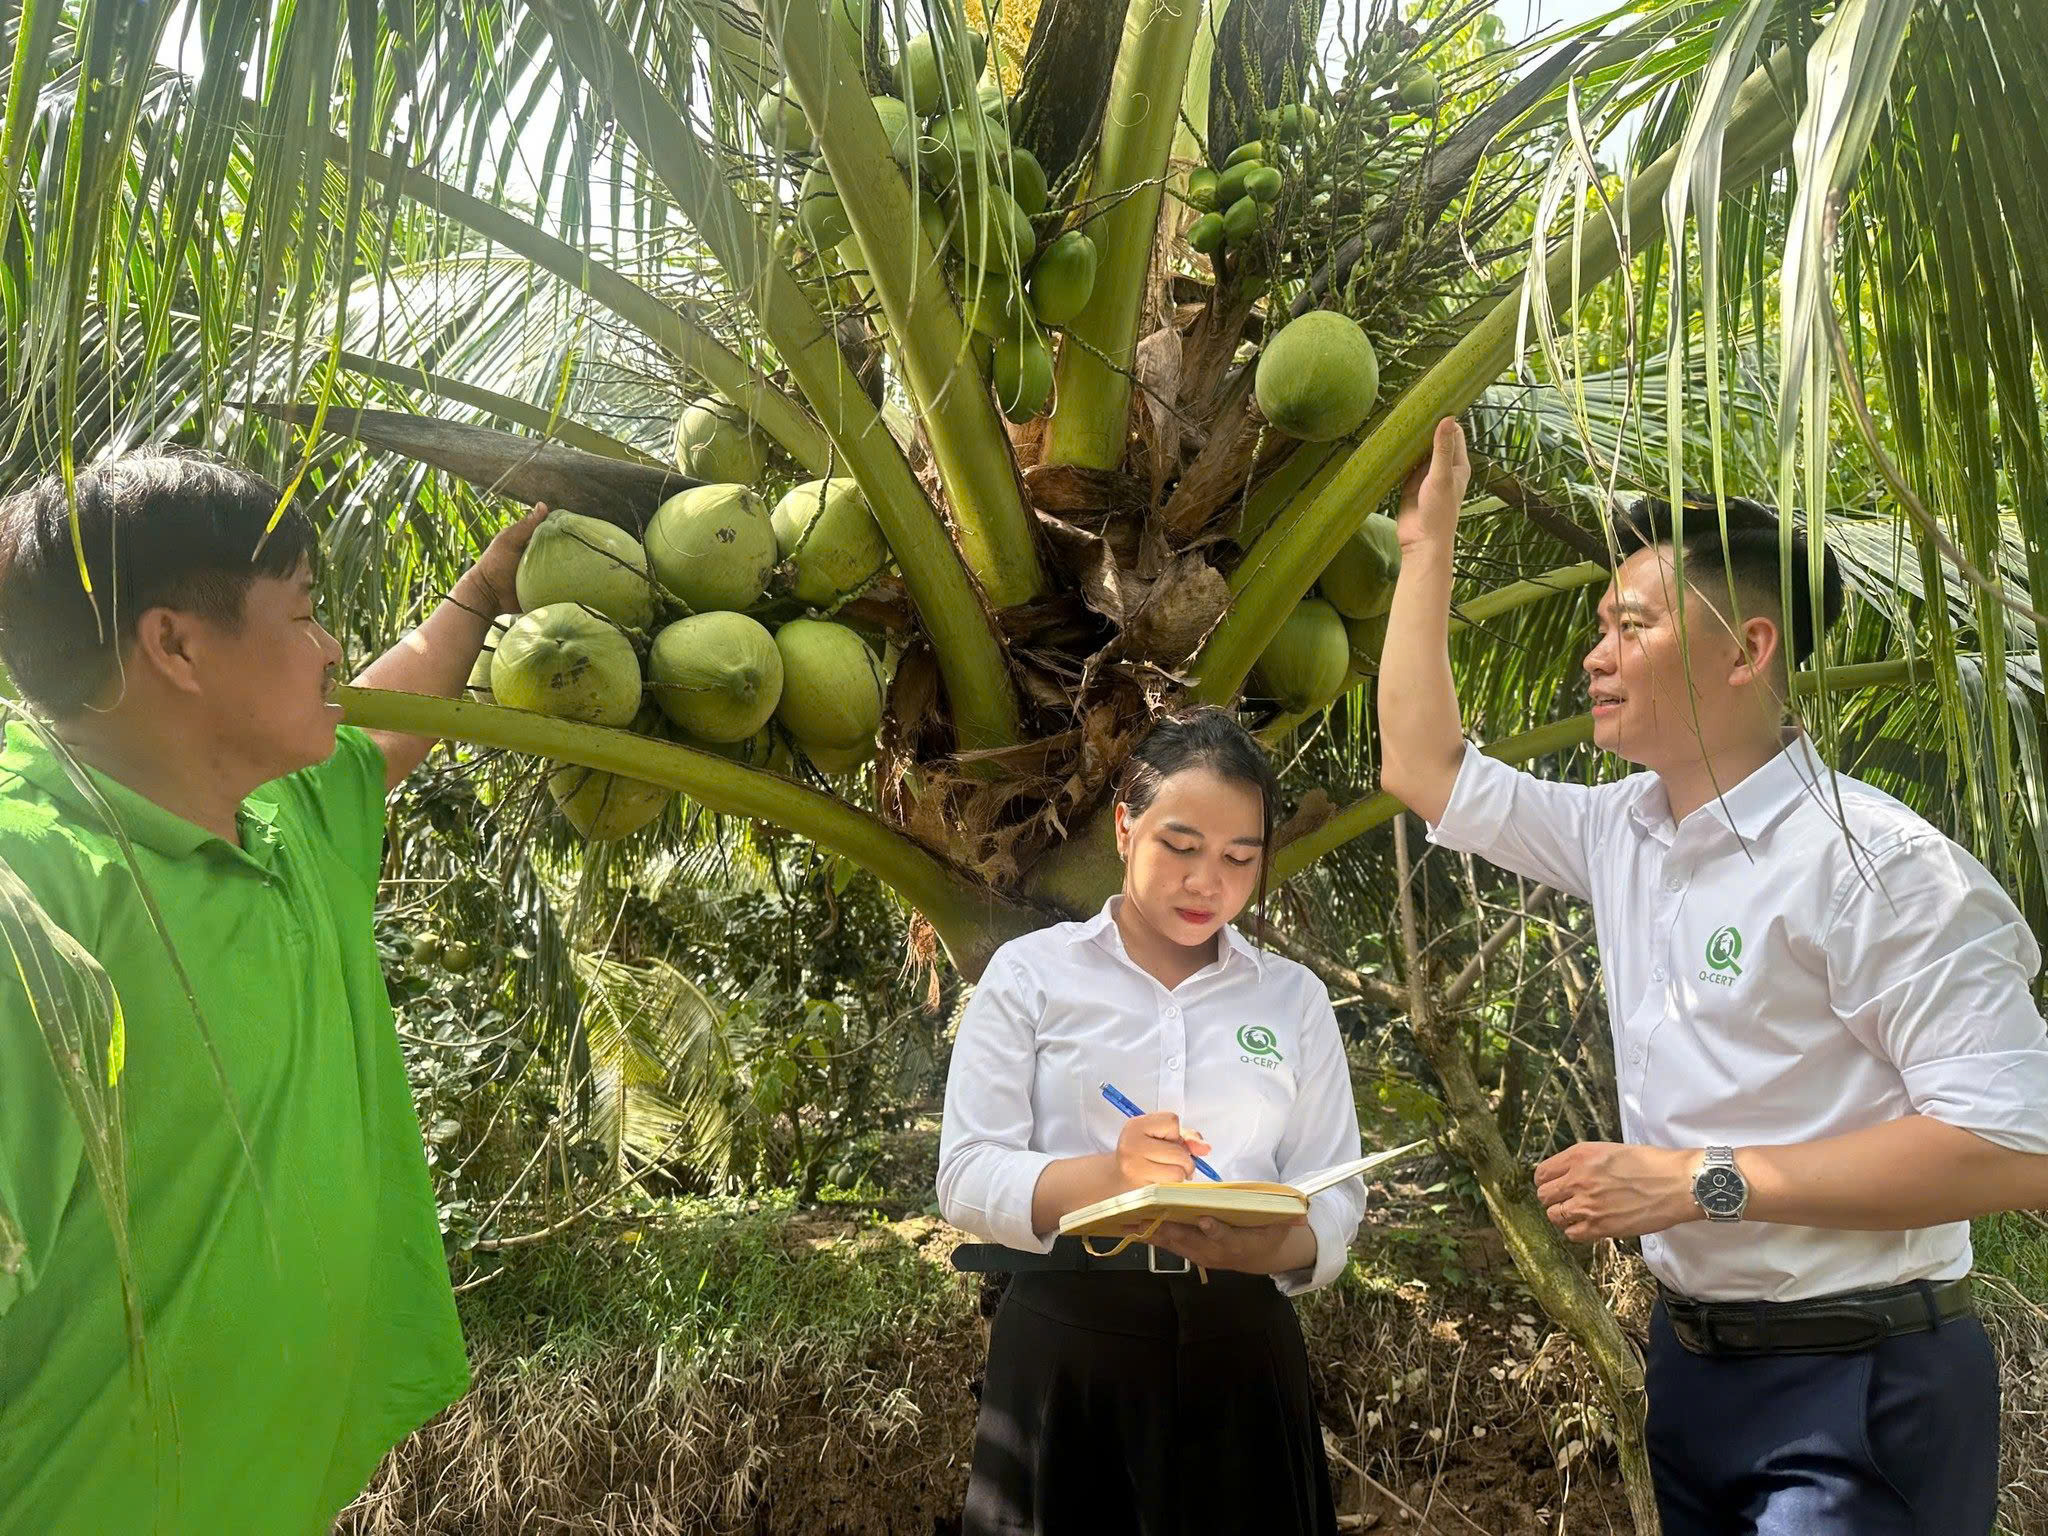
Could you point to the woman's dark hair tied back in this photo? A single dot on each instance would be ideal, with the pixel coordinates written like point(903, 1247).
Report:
point(1203, 736)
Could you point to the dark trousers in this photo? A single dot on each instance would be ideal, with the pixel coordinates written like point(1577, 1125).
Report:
point(1140, 1404)
point(1897, 1440)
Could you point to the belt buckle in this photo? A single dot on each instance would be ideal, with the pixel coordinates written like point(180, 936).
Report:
point(1152, 1263)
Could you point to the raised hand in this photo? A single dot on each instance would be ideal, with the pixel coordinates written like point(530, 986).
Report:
point(1435, 489)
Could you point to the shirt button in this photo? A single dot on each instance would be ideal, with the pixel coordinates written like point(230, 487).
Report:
point(1173, 1063)
point(1172, 1012)
point(1657, 974)
point(1671, 884)
point(1635, 1055)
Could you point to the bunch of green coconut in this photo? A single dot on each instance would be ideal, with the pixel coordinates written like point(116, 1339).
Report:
point(1235, 199)
point(1317, 380)
point(671, 636)
point(981, 201)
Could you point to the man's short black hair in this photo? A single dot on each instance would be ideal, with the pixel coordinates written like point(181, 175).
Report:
point(164, 529)
point(1749, 556)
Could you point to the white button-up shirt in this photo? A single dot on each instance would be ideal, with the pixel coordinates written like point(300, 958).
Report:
point(1803, 957)
point(1245, 1051)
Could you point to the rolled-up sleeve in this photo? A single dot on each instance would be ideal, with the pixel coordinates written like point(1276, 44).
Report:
point(988, 1170)
point(1531, 826)
point(1929, 965)
point(1321, 1132)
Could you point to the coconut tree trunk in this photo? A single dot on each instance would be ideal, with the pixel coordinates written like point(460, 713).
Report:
point(1546, 1262)
point(1067, 68)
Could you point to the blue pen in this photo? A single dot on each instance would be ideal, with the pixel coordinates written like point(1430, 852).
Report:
point(1109, 1092)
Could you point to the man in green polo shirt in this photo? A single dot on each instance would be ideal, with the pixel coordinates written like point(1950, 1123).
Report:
point(294, 1304)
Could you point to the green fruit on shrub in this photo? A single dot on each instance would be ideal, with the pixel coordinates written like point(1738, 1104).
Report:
point(1367, 636)
point(992, 232)
point(832, 689)
point(457, 958)
point(607, 806)
point(576, 559)
point(1202, 189)
point(935, 220)
point(1264, 184)
point(783, 124)
point(960, 146)
point(1027, 182)
point(426, 948)
point(566, 661)
point(1206, 234)
point(1417, 88)
point(1251, 150)
point(717, 675)
point(715, 441)
point(829, 539)
point(1241, 220)
point(1317, 380)
point(1063, 278)
point(1305, 664)
point(767, 748)
point(1360, 581)
point(713, 546)
point(819, 212)
point(989, 97)
point(1021, 371)
point(1291, 123)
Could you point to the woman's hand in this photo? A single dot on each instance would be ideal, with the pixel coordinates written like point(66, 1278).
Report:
point(1213, 1244)
point(1154, 1149)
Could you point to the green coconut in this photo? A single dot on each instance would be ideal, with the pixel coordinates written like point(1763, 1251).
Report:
point(829, 539)
point(713, 546)
point(1360, 581)
point(1264, 184)
point(819, 212)
point(1252, 149)
point(1202, 190)
point(935, 219)
point(926, 65)
point(1063, 278)
point(767, 748)
point(1230, 186)
point(1305, 664)
point(1206, 234)
point(1027, 182)
point(1417, 88)
point(1290, 123)
point(855, 22)
point(717, 675)
point(783, 123)
point(1021, 371)
point(566, 661)
point(1241, 219)
point(479, 685)
point(576, 559)
point(715, 441)
point(607, 806)
point(992, 232)
point(1367, 636)
point(835, 761)
point(899, 125)
point(832, 686)
point(1317, 380)
point(960, 145)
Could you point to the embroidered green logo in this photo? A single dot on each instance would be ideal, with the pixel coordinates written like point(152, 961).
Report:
point(1258, 1040)
point(1724, 949)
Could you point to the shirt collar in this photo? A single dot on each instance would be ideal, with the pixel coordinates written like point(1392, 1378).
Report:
point(1101, 929)
point(27, 755)
point(1750, 807)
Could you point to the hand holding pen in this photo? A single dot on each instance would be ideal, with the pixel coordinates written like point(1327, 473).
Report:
point(1155, 1149)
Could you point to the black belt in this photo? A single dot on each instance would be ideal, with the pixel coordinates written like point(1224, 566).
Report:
point(1819, 1325)
point(1069, 1256)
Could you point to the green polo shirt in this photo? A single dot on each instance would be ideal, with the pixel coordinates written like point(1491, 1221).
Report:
point(296, 1312)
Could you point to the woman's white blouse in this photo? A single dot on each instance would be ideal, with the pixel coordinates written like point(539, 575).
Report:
point(1245, 1051)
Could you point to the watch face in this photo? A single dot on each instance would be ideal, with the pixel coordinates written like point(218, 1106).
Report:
point(1719, 1191)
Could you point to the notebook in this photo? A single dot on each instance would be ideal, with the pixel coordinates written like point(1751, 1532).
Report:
point(1248, 1203)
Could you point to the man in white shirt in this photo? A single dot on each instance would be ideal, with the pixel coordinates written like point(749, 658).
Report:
point(1827, 1055)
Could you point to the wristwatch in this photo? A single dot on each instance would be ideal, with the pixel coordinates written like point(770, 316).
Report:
point(1718, 1186)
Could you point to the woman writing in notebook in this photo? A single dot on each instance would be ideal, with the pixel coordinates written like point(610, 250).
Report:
point(1165, 1389)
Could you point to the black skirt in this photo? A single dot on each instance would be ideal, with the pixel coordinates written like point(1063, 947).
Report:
point(1142, 1403)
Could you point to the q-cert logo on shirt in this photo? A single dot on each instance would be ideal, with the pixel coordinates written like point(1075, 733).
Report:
point(1261, 1047)
point(1724, 949)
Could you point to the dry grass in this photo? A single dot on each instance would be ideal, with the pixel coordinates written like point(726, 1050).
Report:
point(813, 1375)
